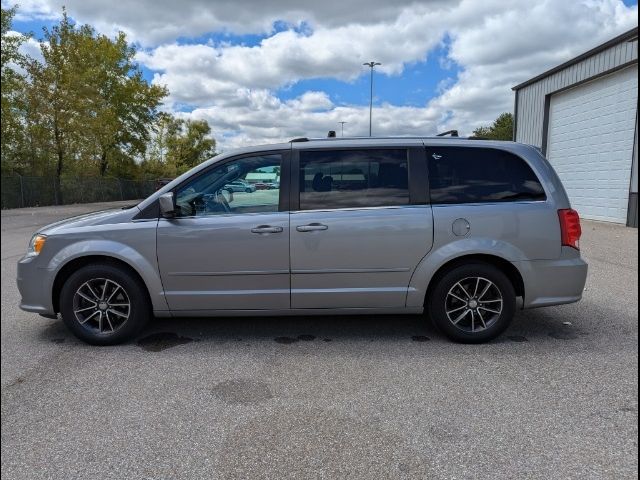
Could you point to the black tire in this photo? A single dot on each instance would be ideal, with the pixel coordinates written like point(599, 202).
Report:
point(446, 304)
point(132, 291)
point(248, 190)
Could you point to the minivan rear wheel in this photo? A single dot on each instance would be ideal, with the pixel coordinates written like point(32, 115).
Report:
point(104, 304)
point(472, 303)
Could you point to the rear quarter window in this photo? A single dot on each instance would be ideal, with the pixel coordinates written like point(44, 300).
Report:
point(480, 175)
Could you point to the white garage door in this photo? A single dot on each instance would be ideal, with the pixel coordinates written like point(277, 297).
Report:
point(590, 143)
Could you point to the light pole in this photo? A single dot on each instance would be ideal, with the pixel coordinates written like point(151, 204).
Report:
point(342, 127)
point(371, 65)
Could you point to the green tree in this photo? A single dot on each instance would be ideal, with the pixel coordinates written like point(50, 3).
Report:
point(13, 87)
point(125, 105)
point(57, 115)
point(190, 144)
point(178, 145)
point(86, 108)
point(501, 129)
point(89, 105)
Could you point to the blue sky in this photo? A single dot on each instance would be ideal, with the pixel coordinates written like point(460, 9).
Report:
point(261, 71)
point(419, 81)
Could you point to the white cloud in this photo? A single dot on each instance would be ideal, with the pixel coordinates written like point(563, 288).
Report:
point(34, 10)
point(152, 22)
point(497, 44)
point(265, 119)
point(494, 43)
point(31, 48)
point(517, 41)
point(290, 56)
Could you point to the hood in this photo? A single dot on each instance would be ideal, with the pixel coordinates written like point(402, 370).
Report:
point(104, 217)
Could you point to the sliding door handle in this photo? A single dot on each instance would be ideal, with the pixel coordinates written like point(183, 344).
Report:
point(312, 227)
point(266, 229)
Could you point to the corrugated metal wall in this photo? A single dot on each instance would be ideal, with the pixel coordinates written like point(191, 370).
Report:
point(632, 217)
point(531, 98)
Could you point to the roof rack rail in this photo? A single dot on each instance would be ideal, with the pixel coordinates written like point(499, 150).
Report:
point(299, 139)
point(452, 133)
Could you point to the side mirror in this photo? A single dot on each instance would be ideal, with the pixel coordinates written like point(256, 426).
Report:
point(167, 207)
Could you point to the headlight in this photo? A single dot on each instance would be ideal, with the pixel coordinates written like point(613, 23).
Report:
point(36, 244)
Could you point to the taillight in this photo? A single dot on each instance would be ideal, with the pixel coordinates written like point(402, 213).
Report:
point(570, 228)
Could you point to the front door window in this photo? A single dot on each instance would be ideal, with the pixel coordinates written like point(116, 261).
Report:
point(245, 185)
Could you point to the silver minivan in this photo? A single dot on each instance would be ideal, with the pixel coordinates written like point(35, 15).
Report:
point(456, 229)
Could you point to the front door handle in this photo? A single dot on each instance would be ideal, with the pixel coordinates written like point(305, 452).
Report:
point(266, 229)
point(312, 227)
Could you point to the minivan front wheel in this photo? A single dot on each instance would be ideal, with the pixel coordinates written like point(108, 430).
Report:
point(473, 303)
point(103, 304)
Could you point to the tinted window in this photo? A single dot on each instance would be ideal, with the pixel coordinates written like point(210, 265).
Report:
point(353, 179)
point(473, 175)
point(245, 185)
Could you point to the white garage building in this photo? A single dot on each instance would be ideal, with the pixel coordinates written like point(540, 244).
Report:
point(583, 114)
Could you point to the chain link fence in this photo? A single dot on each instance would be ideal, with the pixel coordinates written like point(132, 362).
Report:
point(20, 191)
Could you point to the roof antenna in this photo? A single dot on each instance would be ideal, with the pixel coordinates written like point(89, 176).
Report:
point(331, 134)
point(453, 133)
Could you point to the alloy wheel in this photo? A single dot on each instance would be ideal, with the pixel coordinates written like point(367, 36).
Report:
point(474, 304)
point(101, 305)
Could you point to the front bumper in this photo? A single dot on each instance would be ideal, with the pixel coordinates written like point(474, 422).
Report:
point(554, 282)
point(34, 285)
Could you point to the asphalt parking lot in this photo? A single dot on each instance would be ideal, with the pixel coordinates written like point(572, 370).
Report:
point(334, 397)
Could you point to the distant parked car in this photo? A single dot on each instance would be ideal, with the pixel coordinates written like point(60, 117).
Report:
point(239, 186)
point(455, 229)
point(266, 186)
